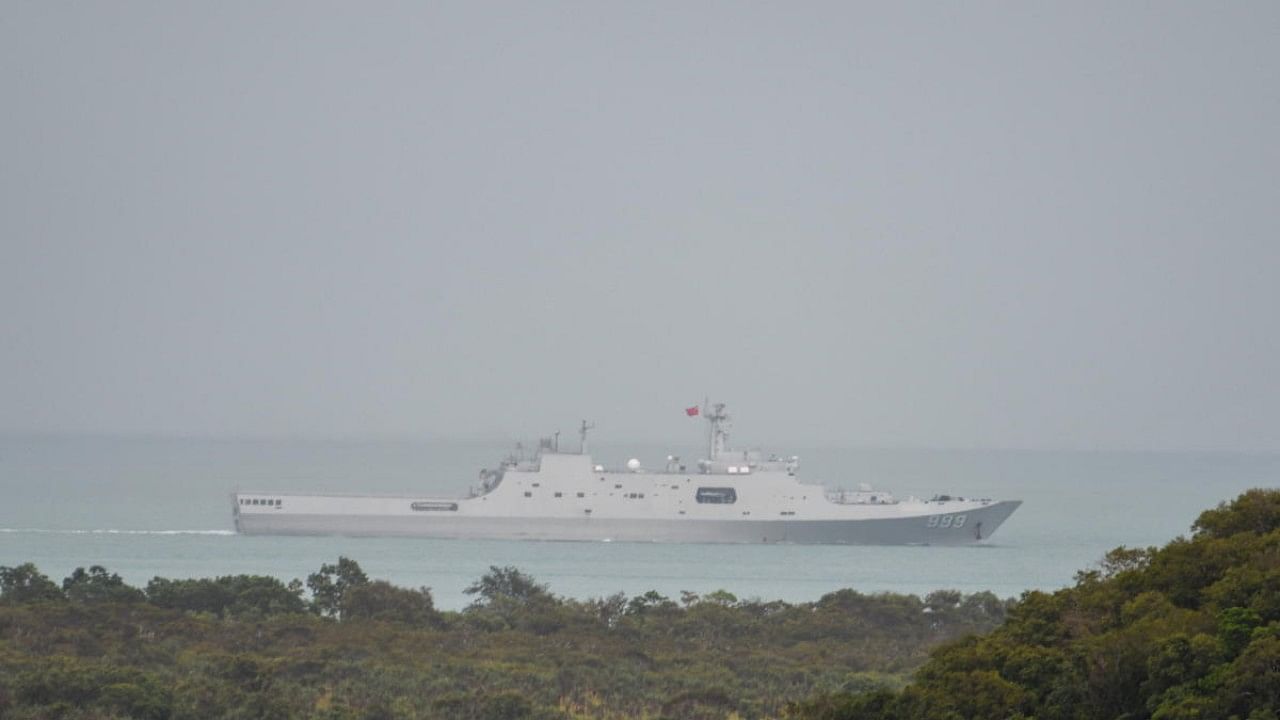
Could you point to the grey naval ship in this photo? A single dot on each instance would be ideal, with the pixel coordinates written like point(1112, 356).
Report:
point(732, 496)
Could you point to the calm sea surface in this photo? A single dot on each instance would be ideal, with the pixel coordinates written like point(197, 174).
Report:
point(147, 507)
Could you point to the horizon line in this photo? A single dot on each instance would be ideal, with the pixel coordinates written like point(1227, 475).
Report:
point(670, 442)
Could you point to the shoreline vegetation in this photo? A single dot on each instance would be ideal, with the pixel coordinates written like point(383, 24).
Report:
point(1189, 630)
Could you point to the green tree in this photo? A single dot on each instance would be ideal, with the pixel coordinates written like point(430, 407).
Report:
point(1256, 511)
point(25, 584)
point(240, 595)
point(380, 600)
point(507, 584)
point(98, 585)
point(649, 602)
point(723, 598)
point(1236, 626)
point(1251, 683)
point(608, 610)
point(330, 585)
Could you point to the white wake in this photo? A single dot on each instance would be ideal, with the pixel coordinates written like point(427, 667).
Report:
point(112, 531)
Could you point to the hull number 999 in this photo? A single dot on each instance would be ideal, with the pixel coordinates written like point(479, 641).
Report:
point(946, 521)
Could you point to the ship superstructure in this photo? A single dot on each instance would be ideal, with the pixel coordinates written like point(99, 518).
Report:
point(729, 496)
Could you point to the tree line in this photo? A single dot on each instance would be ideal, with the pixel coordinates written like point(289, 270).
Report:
point(342, 645)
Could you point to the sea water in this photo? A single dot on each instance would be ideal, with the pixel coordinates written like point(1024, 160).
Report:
point(146, 507)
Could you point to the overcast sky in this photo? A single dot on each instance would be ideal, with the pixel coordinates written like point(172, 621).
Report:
point(929, 224)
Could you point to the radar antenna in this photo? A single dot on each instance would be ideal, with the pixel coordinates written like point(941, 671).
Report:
point(582, 433)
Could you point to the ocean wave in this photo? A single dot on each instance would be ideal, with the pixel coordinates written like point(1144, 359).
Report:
point(112, 531)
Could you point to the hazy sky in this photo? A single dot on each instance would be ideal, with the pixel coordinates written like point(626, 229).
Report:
point(930, 224)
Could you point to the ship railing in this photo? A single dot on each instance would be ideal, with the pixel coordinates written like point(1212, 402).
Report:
point(746, 470)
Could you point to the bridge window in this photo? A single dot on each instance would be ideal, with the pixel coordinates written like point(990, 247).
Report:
point(717, 495)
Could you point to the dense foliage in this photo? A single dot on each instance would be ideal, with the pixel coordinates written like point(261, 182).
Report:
point(1190, 630)
point(346, 646)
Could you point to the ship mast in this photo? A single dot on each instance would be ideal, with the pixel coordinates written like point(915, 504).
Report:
point(717, 429)
point(582, 433)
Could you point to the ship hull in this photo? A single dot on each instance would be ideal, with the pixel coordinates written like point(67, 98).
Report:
point(924, 528)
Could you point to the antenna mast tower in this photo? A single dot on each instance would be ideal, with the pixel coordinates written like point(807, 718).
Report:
point(718, 429)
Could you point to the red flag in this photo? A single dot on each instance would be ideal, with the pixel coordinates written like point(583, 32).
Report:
point(691, 411)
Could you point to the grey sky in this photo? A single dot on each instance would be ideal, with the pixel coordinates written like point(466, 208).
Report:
point(942, 224)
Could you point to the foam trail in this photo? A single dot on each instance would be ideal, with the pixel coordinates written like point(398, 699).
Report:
point(111, 531)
